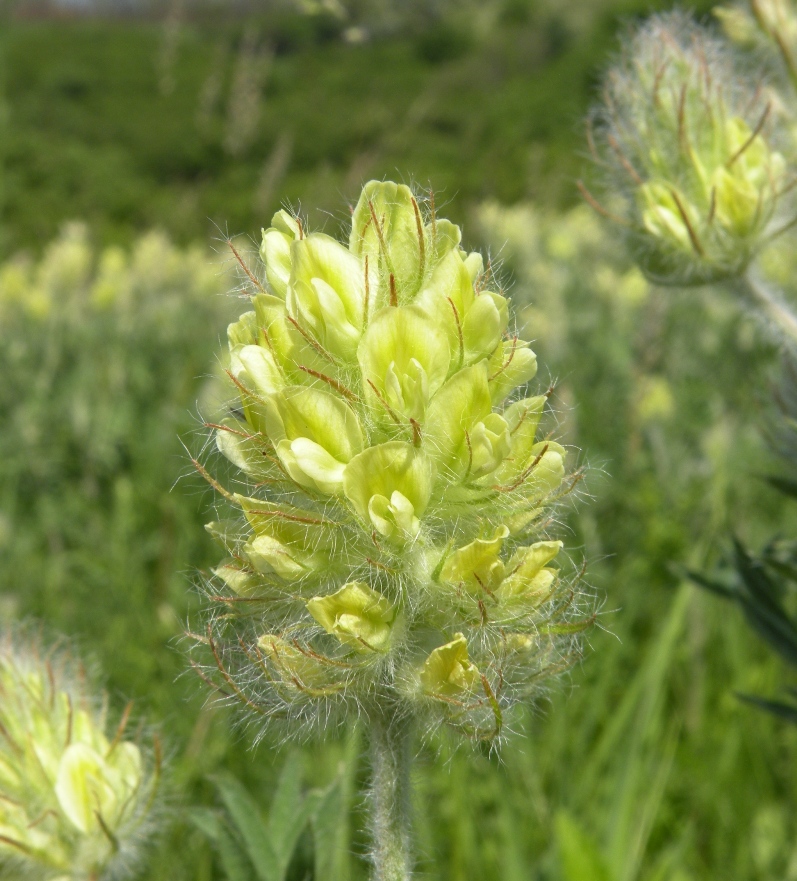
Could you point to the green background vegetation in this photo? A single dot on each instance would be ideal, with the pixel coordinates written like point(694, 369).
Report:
point(132, 124)
point(641, 764)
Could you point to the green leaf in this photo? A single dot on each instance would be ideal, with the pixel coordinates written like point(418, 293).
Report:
point(711, 584)
point(783, 485)
point(758, 594)
point(326, 833)
point(233, 859)
point(330, 820)
point(287, 845)
point(287, 798)
point(289, 814)
point(246, 818)
point(207, 821)
point(777, 708)
point(762, 607)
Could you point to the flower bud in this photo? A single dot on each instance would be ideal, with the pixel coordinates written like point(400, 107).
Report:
point(326, 293)
point(74, 803)
point(357, 615)
point(275, 249)
point(688, 152)
point(315, 435)
point(529, 576)
point(448, 671)
point(478, 564)
point(403, 377)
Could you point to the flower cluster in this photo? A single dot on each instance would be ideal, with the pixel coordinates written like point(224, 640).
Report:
point(73, 803)
point(687, 148)
point(389, 550)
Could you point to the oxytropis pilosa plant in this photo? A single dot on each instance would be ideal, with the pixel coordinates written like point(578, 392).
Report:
point(74, 802)
point(695, 154)
point(390, 561)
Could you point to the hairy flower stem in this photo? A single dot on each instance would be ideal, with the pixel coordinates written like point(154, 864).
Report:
point(391, 745)
point(769, 303)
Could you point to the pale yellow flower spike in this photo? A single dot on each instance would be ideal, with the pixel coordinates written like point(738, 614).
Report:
point(389, 556)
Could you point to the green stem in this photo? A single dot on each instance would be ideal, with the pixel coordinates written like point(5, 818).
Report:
point(771, 304)
point(391, 757)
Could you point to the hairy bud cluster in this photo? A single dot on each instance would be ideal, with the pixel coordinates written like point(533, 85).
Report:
point(388, 554)
point(687, 147)
point(73, 803)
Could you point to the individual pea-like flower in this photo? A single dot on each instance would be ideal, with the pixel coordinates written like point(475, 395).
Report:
point(74, 802)
point(357, 615)
point(689, 155)
point(390, 549)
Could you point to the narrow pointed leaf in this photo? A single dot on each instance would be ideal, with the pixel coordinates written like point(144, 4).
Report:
point(246, 818)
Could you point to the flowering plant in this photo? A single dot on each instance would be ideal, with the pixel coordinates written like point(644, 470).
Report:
point(390, 559)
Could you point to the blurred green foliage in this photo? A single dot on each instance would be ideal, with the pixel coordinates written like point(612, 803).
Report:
point(186, 124)
point(253, 846)
point(644, 765)
point(103, 359)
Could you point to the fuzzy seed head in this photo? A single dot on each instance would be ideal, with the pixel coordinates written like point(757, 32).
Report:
point(387, 549)
point(74, 802)
point(687, 148)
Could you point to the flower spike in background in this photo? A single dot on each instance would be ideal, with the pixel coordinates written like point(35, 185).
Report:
point(74, 801)
point(687, 147)
point(696, 154)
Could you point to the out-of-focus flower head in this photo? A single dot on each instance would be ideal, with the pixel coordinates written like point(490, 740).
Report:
point(74, 801)
point(688, 152)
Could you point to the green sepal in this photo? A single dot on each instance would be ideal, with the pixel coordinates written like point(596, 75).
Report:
point(240, 580)
point(299, 667)
point(236, 442)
